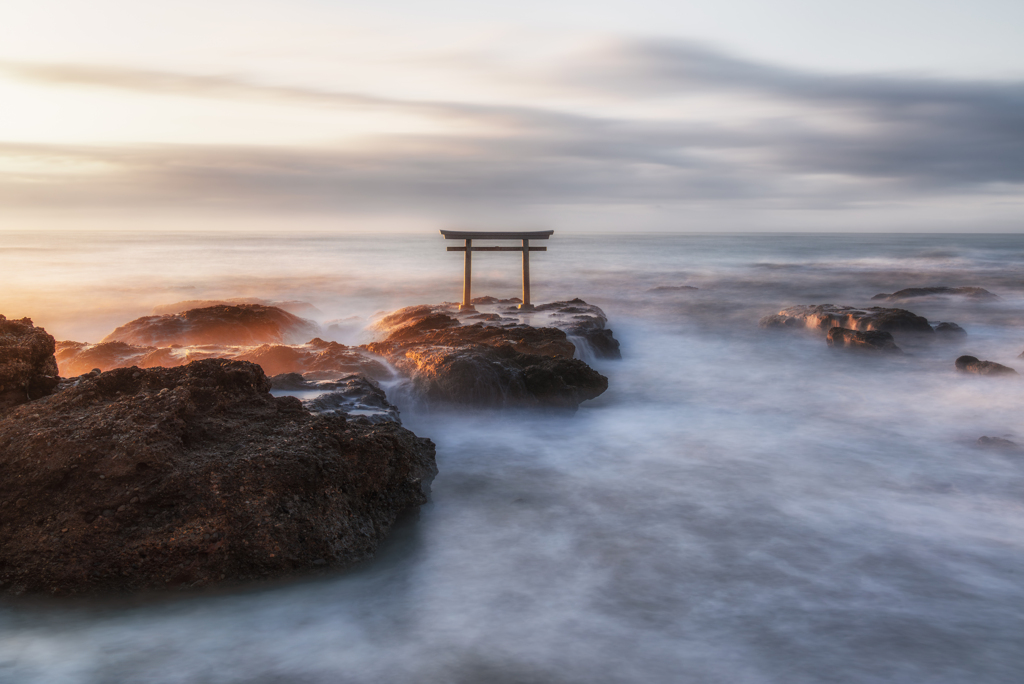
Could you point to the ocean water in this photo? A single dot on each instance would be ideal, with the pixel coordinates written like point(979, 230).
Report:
point(741, 506)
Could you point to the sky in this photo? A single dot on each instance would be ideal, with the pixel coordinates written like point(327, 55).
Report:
point(648, 115)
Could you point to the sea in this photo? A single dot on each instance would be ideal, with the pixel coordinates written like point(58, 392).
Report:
point(742, 506)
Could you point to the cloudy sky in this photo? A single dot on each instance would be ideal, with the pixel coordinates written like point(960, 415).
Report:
point(643, 115)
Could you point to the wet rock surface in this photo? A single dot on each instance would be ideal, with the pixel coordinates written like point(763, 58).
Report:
point(917, 292)
point(182, 477)
point(826, 316)
point(354, 396)
point(242, 324)
point(27, 367)
point(457, 357)
point(971, 364)
point(863, 340)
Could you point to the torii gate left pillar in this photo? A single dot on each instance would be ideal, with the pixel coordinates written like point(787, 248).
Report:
point(469, 236)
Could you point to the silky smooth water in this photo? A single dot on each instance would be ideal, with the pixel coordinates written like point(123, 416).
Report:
point(741, 506)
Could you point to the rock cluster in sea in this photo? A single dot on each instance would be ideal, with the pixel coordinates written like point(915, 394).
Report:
point(163, 463)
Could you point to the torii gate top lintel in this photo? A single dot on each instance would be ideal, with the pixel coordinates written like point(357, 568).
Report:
point(470, 235)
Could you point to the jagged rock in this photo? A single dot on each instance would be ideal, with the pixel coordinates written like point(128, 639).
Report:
point(586, 321)
point(485, 365)
point(329, 358)
point(28, 369)
point(914, 292)
point(996, 443)
point(243, 324)
point(827, 316)
point(862, 340)
point(971, 364)
point(183, 477)
point(672, 288)
point(355, 396)
point(951, 329)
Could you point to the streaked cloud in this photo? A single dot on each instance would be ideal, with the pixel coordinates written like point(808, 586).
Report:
point(843, 140)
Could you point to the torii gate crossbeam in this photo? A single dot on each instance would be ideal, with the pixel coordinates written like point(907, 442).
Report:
point(469, 236)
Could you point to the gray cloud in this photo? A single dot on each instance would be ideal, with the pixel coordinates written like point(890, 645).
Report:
point(915, 138)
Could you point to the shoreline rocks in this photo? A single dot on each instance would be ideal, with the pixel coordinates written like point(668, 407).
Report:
point(169, 478)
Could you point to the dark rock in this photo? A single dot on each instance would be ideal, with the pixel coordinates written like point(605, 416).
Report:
point(996, 443)
point(951, 329)
point(28, 369)
point(231, 487)
point(971, 364)
point(489, 365)
point(915, 292)
point(827, 316)
point(673, 288)
point(862, 340)
point(243, 324)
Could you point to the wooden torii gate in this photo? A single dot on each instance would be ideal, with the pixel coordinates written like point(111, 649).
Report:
point(469, 236)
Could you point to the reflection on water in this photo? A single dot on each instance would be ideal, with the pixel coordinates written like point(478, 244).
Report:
point(740, 506)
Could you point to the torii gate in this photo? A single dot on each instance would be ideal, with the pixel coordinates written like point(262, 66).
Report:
point(469, 236)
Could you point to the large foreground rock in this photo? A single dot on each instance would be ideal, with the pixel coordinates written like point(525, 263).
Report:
point(826, 316)
point(27, 367)
point(190, 476)
point(241, 324)
point(862, 340)
point(487, 359)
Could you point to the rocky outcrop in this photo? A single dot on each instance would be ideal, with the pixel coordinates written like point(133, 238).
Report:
point(971, 364)
point(171, 478)
point(917, 292)
point(355, 396)
point(243, 324)
point(585, 322)
point(327, 359)
point(826, 316)
point(27, 367)
point(488, 365)
point(862, 340)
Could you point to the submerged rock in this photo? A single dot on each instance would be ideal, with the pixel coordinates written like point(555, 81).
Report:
point(863, 340)
point(186, 477)
point(242, 324)
point(27, 367)
point(826, 316)
point(916, 292)
point(996, 443)
point(490, 365)
point(672, 288)
point(971, 364)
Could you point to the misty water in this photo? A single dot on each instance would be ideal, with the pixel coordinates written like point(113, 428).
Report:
point(742, 505)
